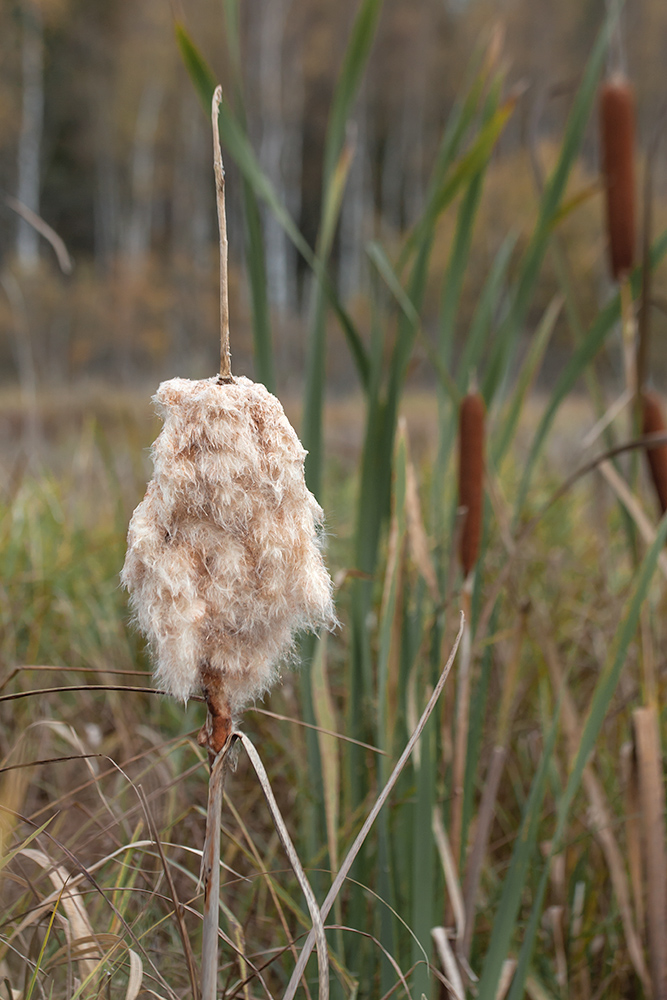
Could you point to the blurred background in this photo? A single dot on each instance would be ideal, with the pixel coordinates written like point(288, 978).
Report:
point(102, 136)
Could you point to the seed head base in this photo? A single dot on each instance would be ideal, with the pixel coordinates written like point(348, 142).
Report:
point(224, 561)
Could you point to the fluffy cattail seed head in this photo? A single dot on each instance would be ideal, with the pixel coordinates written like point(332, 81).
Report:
point(617, 138)
point(223, 562)
point(471, 477)
point(653, 423)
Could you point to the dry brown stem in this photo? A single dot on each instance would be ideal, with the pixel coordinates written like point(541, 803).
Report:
point(225, 356)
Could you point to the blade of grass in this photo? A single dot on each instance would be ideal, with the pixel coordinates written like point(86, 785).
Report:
point(526, 378)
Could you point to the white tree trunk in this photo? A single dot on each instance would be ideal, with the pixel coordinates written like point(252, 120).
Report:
point(30, 137)
point(137, 241)
point(356, 203)
point(279, 273)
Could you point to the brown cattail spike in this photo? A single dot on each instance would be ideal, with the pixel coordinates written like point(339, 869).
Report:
point(653, 423)
point(471, 477)
point(617, 137)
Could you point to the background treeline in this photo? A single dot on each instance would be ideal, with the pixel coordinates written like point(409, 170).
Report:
point(101, 134)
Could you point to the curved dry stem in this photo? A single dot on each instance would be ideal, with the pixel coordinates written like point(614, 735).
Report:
point(317, 918)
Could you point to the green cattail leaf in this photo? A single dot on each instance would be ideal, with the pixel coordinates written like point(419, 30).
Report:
point(336, 166)
point(528, 372)
point(470, 164)
point(198, 69)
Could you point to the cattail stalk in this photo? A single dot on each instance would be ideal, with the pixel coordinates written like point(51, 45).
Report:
point(471, 477)
point(656, 455)
point(471, 498)
point(617, 137)
point(224, 563)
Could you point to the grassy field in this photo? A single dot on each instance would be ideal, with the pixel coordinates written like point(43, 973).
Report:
point(104, 765)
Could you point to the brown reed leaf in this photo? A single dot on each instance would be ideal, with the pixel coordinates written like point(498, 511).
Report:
point(617, 138)
point(633, 832)
point(471, 477)
point(653, 423)
point(648, 752)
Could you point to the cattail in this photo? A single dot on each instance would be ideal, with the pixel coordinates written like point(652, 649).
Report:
point(653, 423)
point(471, 477)
point(224, 562)
point(617, 136)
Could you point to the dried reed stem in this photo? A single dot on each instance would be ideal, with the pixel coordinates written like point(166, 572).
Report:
point(629, 338)
point(462, 718)
point(225, 356)
point(211, 875)
point(648, 752)
point(471, 477)
point(617, 136)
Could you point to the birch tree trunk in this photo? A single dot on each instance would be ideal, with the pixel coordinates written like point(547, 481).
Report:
point(137, 241)
point(356, 205)
point(30, 137)
point(279, 268)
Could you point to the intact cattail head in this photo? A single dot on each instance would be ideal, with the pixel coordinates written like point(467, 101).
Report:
point(471, 477)
point(223, 562)
point(617, 140)
point(653, 423)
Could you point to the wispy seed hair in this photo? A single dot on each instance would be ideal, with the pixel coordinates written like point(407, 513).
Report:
point(224, 562)
point(617, 139)
point(471, 477)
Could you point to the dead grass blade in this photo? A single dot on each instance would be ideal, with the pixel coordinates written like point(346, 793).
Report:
point(507, 971)
point(646, 727)
point(372, 816)
point(78, 924)
point(448, 961)
point(634, 509)
point(633, 832)
point(178, 909)
point(315, 915)
point(136, 976)
point(451, 874)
